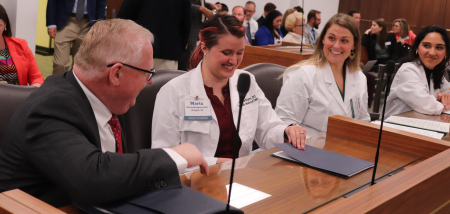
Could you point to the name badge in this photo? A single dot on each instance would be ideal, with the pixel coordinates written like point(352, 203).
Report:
point(197, 110)
point(355, 104)
point(387, 43)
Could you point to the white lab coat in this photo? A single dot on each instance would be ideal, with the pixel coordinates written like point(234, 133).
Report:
point(410, 91)
point(259, 121)
point(310, 95)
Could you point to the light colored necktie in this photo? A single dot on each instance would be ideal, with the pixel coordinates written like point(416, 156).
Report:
point(80, 9)
point(115, 127)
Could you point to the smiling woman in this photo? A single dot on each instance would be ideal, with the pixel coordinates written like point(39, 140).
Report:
point(419, 84)
point(201, 106)
point(329, 83)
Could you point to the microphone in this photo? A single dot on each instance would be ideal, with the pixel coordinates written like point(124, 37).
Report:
point(389, 70)
point(243, 85)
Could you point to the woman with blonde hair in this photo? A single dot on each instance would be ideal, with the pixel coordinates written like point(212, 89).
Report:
point(288, 12)
point(295, 24)
point(402, 32)
point(329, 83)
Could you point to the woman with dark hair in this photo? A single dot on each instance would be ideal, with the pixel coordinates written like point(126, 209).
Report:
point(419, 83)
point(381, 46)
point(329, 83)
point(17, 63)
point(270, 33)
point(201, 106)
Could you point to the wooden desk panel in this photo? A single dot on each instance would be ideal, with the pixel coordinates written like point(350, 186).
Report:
point(276, 55)
point(17, 201)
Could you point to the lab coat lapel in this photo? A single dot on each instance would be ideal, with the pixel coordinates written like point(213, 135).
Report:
point(197, 89)
point(350, 88)
point(423, 78)
point(234, 97)
point(332, 86)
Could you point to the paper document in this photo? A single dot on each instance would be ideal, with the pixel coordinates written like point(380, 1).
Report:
point(242, 196)
point(423, 132)
point(418, 123)
point(446, 112)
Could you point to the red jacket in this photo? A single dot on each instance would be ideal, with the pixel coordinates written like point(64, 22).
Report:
point(27, 69)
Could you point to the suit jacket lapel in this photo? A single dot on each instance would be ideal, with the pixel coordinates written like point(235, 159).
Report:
point(87, 108)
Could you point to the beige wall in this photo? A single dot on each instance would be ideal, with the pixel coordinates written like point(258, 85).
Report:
point(42, 37)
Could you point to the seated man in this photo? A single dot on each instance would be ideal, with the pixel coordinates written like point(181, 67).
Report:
point(65, 140)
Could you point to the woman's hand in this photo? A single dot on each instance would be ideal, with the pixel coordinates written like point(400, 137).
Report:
point(444, 98)
point(296, 135)
point(221, 160)
point(401, 41)
point(368, 31)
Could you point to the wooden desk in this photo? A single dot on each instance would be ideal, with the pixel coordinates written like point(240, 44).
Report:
point(17, 201)
point(422, 187)
point(280, 55)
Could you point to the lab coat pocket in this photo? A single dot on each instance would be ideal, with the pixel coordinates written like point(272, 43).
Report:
point(249, 122)
point(195, 126)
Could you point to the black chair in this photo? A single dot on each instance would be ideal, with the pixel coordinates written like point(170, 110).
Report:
point(382, 82)
point(266, 75)
point(138, 120)
point(11, 96)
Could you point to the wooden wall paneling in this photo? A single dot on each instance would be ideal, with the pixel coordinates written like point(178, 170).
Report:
point(431, 13)
point(446, 17)
point(113, 7)
point(346, 5)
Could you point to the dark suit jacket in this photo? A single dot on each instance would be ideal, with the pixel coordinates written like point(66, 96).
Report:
point(260, 21)
point(370, 42)
point(168, 20)
point(58, 11)
point(52, 151)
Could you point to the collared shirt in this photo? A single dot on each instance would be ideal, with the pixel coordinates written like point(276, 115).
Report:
point(107, 139)
point(309, 37)
point(253, 26)
point(224, 116)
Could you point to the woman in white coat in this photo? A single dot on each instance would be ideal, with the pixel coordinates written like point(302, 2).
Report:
point(419, 84)
point(329, 83)
point(201, 106)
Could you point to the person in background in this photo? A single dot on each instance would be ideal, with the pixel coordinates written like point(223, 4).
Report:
point(381, 45)
point(405, 36)
point(66, 141)
point(212, 84)
point(17, 63)
point(224, 8)
point(356, 15)
point(270, 33)
point(200, 11)
point(169, 41)
point(240, 13)
point(288, 12)
point(295, 24)
point(68, 22)
point(249, 22)
point(314, 20)
point(419, 83)
point(299, 9)
point(267, 9)
point(329, 83)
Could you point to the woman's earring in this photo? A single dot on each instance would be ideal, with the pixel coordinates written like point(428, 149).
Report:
point(5, 30)
point(352, 54)
point(417, 52)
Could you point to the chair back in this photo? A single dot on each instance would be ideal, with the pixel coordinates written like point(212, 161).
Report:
point(11, 96)
point(266, 75)
point(138, 119)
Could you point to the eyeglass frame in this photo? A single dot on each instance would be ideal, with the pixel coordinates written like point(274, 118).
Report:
point(152, 72)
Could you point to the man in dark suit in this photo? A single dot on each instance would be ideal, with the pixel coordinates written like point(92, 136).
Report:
point(171, 33)
point(267, 9)
point(68, 21)
point(65, 141)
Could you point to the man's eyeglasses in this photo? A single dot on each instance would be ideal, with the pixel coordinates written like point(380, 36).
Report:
point(151, 72)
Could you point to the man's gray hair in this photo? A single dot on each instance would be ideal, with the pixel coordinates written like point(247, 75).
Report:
point(110, 41)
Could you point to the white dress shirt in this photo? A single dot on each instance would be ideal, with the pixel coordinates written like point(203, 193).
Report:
point(107, 139)
point(253, 26)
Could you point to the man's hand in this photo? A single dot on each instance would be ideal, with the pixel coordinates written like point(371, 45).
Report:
point(296, 135)
point(208, 13)
point(192, 156)
point(52, 32)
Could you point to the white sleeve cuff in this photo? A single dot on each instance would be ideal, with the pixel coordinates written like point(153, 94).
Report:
point(179, 160)
point(51, 26)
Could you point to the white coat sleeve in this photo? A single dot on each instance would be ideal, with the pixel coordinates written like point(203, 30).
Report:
point(293, 101)
point(166, 118)
point(414, 93)
point(270, 128)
